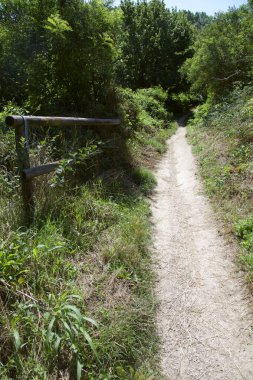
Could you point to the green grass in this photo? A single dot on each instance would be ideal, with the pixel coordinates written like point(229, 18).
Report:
point(157, 141)
point(145, 179)
point(76, 293)
point(92, 261)
point(222, 138)
point(244, 232)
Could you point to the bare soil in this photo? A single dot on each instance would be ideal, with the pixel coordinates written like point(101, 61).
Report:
point(205, 317)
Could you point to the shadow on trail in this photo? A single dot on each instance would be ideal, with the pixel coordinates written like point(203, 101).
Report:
point(182, 121)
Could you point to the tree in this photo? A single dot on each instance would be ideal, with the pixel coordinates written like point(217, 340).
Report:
point(61, 53)
point(223, 54)
point(155, 42)
point(198, 19)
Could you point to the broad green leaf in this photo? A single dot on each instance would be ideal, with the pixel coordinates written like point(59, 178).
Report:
point(67, 327)
point(50, 334)
point(57, 342)
point(92, 321)
point(74, 309)
point(89, 340)
point(79, 370)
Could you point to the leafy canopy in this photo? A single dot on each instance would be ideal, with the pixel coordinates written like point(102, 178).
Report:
point(223, 54)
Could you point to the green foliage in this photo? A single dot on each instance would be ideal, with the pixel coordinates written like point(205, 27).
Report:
point(152, 101)
point(129, 245)
point(145, 179)
point(86, 257)
point(244, 230)
point(66, 326)
point(182, 102)
point(248, 108)
point(57, 25)
point(43, 312)
point(223, 139)
point(87, 216)
point(46, 319)
point(198, 19)
point(223, 54)
point(60, 326)
point(77, 160)
point(129, 110)
point(62, 58)
point(131, 374)
point(144, 108)
point(153, 46)
point(145, 119)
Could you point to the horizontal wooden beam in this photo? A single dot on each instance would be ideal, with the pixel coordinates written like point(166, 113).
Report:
point(40, 170)
point(51, 121)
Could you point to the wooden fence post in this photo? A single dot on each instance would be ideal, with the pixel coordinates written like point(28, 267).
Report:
point(20, 123)
point(22, 146)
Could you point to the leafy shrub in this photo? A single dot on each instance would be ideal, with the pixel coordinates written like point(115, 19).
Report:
point(129, 110)
point(182, 102)
point(143, 108)
point(157, 93)
point(152, 101)
point(244, 230)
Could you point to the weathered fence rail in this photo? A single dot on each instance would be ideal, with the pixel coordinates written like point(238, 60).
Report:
point(53, 121)
point(27, 173)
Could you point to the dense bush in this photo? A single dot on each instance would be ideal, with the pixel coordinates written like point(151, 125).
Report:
point(147, 107)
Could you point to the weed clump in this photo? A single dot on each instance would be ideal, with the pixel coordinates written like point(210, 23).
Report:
point(244, 231)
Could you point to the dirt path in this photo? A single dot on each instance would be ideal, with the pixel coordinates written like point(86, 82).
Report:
point(205, 320)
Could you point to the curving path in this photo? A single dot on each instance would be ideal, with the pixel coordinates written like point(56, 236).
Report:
point(205, 319)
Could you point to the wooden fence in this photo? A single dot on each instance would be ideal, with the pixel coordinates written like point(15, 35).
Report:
point(27, 173)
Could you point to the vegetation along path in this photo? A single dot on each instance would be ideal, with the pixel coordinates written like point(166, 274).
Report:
point(205, 319)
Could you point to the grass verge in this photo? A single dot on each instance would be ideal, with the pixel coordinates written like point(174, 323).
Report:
point(223, 141)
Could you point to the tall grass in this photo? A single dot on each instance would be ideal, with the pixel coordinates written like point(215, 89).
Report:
point(223, 140)
point(76, 287)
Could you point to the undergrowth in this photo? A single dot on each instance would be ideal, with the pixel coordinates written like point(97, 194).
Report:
point(76, 286)
point(222, 136)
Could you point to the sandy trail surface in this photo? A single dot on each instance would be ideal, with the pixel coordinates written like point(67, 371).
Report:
point(205, 318)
